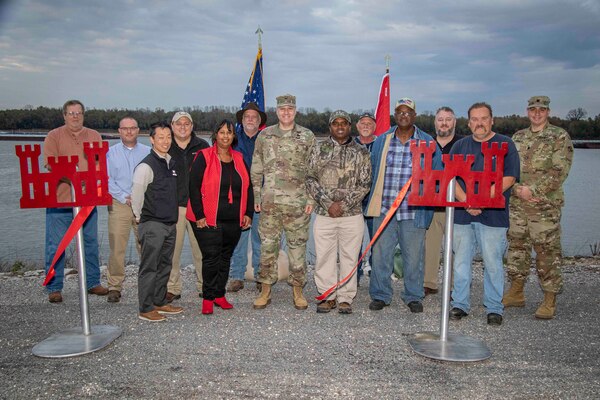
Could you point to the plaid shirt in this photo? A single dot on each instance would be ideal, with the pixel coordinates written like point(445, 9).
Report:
point(398, 171)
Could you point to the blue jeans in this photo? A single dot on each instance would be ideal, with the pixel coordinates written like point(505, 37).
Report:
point(239, 259)
point(412, 244)
point(57, 223)
point(492, 242)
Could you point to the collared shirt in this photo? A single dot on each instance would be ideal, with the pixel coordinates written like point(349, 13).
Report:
point(245, 145)
point(121, 161)
point(398, 171)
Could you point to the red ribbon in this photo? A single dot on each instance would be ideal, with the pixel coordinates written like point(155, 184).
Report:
point(77, 223)
point(387, 218)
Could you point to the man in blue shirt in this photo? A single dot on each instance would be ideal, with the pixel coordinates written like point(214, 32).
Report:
point(251, 119)
point(391, 161)
point(122, 158)
point(483, 228)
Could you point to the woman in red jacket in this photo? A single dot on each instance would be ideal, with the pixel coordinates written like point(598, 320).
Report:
point(221, 204)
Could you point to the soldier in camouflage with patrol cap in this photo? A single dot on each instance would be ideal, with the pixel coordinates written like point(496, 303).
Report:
point(546, 155)
point(278, 174)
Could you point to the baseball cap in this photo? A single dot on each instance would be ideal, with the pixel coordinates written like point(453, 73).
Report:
point(180, 114)
point(339, 114)
point(406, 102)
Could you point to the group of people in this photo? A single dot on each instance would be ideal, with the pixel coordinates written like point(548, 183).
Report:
point(254, 185)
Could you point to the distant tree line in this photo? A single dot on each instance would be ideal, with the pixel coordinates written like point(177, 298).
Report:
point(205, 118)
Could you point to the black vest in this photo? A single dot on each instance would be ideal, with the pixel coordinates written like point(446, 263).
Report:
point(160, 199)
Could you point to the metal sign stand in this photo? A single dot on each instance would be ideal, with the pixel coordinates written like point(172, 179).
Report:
point(445, 346)
point(77, 341)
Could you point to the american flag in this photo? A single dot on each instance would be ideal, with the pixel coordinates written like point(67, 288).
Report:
point(255, 92)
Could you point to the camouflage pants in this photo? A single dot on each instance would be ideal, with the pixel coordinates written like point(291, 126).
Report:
point(274, 219)
point(540, 230)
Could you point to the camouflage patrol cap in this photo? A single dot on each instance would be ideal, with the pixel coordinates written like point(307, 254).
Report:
point(539, 101)
point(286, 100)
point(339, 114)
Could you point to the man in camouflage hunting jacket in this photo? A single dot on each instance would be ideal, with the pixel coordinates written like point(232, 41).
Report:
point(339, 177)
point(546, 155)
point(278, 174)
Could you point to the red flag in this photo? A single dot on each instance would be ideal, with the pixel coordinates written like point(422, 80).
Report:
point(382, 112)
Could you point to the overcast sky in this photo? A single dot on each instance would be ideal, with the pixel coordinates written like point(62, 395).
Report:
point(330, 54)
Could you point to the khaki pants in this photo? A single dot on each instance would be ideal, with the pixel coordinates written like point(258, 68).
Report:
point(337, 236)
point(183, 226)
point(120, 223)
point(433, 246)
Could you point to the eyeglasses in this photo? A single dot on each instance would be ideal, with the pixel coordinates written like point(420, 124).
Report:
point(404, 113)
point(128, 128)
point(74, 113)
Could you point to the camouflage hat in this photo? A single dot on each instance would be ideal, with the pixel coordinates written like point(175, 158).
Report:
point(339, 114)
point(286, 100)
point(367, 115)
point(406, 102)
point(539, 101)
point(180, 114)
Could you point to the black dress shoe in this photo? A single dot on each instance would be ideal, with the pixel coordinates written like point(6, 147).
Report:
point(494, 319)
point(456, 313)
point(415, 306)
point(377, 305)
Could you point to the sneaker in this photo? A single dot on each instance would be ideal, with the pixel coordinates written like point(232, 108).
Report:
point(377, 305)
point(235, 285)
point(457, 314)
point(151, 316)
point(415, 307)
point(55, 297)
point(168, 309)
point(98, 290)
point(494, 319)
point(172, 296)
point(114, 296)
point(326, 305)
point(345, 308)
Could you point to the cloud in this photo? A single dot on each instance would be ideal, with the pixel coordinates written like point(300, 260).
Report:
point(330, 54)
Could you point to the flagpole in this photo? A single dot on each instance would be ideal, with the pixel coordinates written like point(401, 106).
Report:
point(259, 32)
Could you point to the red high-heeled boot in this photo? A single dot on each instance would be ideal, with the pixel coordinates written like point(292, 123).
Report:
point(223, 303)
point(207, 306)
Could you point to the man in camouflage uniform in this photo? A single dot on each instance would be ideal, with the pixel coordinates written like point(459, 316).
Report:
point(339, 177)
point(278, 175)
point(546, 155)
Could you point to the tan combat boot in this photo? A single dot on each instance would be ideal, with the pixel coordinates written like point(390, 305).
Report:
point(547, 309)
point(264, 299)
point(299, 301)
point(515, 296)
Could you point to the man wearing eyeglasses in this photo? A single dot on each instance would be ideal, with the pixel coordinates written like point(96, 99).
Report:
point(68, 140)
point(122, 159)
point(391, 162)
point(183, 150)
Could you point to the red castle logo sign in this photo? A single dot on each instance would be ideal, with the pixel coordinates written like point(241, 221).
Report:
point(39, 188)
point(430, 187)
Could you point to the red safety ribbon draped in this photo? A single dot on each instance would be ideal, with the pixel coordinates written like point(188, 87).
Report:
point(77, 223)
point(387, 218)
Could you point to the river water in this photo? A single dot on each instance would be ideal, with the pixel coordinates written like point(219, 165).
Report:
point(22, 231)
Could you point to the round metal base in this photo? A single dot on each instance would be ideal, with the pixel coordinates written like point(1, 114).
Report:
point(72, 342)
point(458, 348)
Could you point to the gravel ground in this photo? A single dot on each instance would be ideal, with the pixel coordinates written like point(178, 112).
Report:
point(282, 353)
